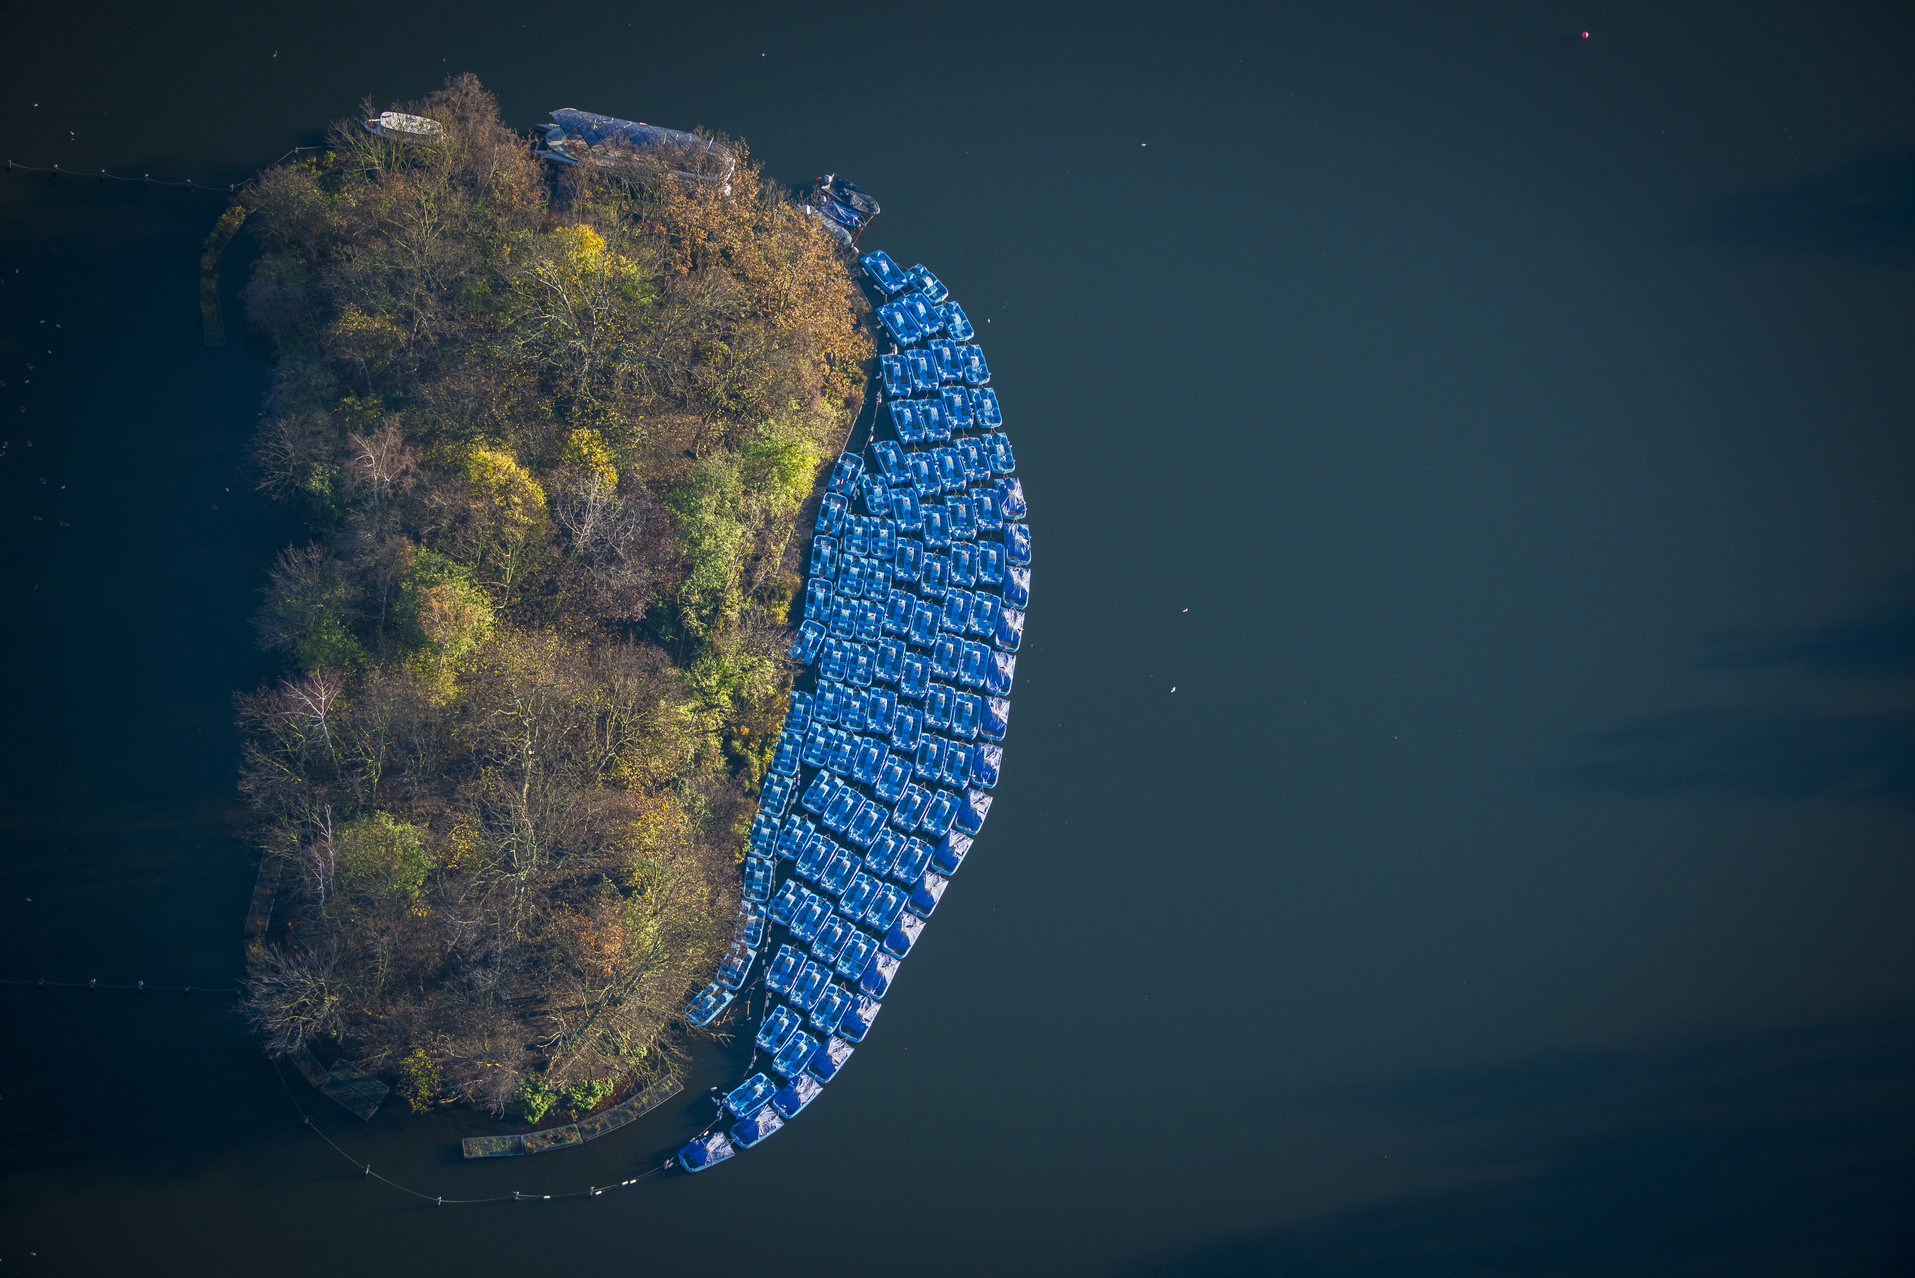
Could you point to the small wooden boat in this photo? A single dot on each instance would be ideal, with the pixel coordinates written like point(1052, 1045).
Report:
point(401, 127)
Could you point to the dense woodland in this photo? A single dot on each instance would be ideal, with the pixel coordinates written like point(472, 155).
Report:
point(551, 432)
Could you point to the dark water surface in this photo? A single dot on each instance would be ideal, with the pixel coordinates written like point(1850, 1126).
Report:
point(1517, 881)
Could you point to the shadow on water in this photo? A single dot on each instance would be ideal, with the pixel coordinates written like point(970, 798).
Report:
point(1877, 642)
point(1864, 211)
point(1776, 752)
point(1782, 1153)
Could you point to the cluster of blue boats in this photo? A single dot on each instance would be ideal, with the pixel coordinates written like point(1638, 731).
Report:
point(913, 616)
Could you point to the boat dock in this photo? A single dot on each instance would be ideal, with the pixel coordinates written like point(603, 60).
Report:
point(913, 613)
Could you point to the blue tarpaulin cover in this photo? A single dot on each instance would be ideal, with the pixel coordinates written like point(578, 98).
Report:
point(1017, 586)
point(707, 1151)
point(950, 852)
point(750, 1131)
point(829, 1059)
point(928, 892)
point(971, 813)
point(877, 977)
point(986, 759)
point(745, 1098)
point(797, 1094)
point(1010, 628)
point(1017, 543)
point(856, 1021)
point(1002, 669)
point(1010, 499)
point(903, 934)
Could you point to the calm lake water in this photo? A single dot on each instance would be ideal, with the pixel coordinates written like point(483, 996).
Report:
point(1499, 440)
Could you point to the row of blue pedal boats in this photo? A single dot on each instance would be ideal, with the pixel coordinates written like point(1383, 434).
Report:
point(913, 614)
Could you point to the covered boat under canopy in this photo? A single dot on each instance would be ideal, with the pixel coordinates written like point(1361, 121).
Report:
point(754, 1129)
point(707, 1151)
point(606, 142)
point(797, 1094)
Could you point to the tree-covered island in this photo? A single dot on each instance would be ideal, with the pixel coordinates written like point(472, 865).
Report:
point(551, 431)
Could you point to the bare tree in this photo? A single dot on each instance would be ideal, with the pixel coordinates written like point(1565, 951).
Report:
point(381, 463)
point(292, 996)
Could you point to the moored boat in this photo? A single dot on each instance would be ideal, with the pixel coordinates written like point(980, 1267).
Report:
point(401, 127)
point(606, 142)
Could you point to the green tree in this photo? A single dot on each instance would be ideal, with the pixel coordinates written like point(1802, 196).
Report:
point(381, 857)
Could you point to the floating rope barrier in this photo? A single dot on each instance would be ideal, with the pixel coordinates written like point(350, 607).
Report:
point(306, 1119)
point(147, 179)
point(142, 986)
point(440, 1200)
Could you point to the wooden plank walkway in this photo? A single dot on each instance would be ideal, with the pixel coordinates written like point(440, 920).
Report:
point(626, 1111)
